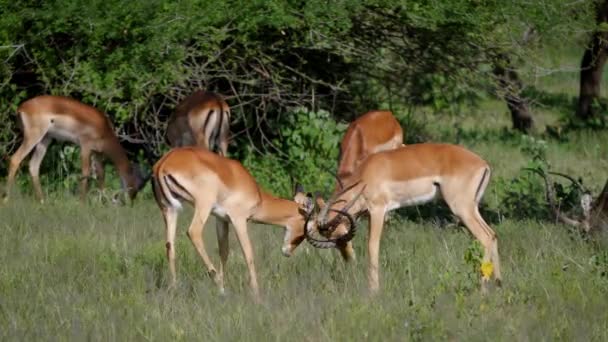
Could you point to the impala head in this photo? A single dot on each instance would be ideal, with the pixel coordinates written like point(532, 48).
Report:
point(136, 181)
point(333, 225)
point(294, 233)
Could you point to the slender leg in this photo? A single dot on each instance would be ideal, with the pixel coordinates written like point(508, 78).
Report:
point(98, 170)
point(195, 233)
point(487, 239)
point(85, 159)
point(347, 251)
point(170, 216)
point(30, 139)
point(240, 227)
point(35, 161)
point(493, 247)
point(375, 233)
point(221, 227)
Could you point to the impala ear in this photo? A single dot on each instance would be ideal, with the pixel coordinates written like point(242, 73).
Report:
point(306, 203)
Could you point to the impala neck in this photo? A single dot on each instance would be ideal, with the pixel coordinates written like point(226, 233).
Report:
point(274, 210)
point(119, 158)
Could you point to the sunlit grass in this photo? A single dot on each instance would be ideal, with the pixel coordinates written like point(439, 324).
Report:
point(98, 272)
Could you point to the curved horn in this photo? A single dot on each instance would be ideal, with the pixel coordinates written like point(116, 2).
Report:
point(311, 239)
point(352, 229)
point(332, 243)
point(345, 209)
point(332, 200)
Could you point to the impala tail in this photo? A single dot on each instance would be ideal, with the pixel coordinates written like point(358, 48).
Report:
point(167, 191)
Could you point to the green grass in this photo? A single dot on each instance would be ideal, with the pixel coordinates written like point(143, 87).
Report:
point(75, 272)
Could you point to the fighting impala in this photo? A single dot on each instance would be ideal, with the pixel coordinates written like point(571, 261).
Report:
point(47, 117)
point(372, 132)
point(201, 119)
point(409, 175)
point(222, 186)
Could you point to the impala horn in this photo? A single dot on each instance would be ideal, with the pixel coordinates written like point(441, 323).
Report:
point(332, 201)
point(327, 242)
point(333, 224)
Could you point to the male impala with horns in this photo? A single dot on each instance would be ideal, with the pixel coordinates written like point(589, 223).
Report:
point(409, 175)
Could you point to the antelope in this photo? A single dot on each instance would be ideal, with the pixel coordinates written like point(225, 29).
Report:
point(201, 119)
point(220, 186)
point(409, 175)
point(47, 117)
point(372, 132)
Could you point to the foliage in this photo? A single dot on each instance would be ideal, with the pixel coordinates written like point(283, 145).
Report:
point(136, 60)
point(306, 152)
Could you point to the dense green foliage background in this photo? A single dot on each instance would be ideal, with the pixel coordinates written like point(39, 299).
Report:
point(136, 59)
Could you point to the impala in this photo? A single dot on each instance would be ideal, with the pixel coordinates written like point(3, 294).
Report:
point(201, 119)
point(372, 132)
point(222, 186)
point(47, 117)
point(409, 175)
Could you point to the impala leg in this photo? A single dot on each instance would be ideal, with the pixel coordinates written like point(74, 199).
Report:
point(85, 159)
point(240, 227)
point(30, 140)
point(493, 249)
point(373, 245)
point(170, 216)
point(487, 237)
point(98, 170)
point(347, 251)
point(195, 233)
point(35, 162)
point(221, 228)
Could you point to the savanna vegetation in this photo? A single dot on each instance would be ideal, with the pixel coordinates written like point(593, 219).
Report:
point(517, 82)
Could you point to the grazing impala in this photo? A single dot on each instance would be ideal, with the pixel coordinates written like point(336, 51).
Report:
point(222, 186)
point(201, 119)
point(372, 132)
point(407, 176)
point(47, 117)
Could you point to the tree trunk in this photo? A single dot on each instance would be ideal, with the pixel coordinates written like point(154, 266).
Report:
point(592, 65)
point(510, 87)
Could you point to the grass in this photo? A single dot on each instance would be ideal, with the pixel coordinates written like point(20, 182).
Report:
point(75, 272)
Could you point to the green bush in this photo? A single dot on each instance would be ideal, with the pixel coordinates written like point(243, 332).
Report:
point(305, 150)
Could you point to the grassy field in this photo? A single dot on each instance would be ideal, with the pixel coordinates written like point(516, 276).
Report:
point(98, 272)
point(74, 272)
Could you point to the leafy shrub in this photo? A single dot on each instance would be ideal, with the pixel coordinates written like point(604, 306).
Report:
point(524, 196)
point(307, 146)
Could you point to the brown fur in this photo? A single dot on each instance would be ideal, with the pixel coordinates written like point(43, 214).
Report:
point(201, 119)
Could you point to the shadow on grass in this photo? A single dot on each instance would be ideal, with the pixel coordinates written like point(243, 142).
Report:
point(439, 214)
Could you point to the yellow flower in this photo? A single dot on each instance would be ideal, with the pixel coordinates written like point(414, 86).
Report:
point(486, 270)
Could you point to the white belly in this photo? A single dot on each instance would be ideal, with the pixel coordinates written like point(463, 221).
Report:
point(413, 192)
